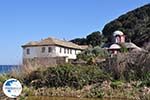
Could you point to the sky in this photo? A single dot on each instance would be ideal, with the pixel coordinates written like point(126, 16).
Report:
point(22, 21)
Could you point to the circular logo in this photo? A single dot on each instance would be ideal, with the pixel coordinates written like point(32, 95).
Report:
point(12, 88)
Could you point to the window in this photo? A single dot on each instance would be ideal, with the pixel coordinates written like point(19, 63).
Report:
point(60, 50)
point(70, 51)
point(28, 51)
point(43, 49)
point(50, 49)
point(64, 50)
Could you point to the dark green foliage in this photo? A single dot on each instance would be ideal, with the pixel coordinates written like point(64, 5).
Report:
point(135, 25)
point(123, 48)
point(85, 55)
point(93, 53)
point(35, 75)
point(3, 78)
point(80, 41)
point(116, 84)
point(96, 92)
point(98, 51)
point(146, 80)
point(93, 39)
point(128, 67)
point(67, 75)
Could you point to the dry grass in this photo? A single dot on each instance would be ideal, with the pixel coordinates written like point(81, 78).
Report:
point(24, 71)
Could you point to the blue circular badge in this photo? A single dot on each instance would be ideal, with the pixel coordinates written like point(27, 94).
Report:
point(12, 88)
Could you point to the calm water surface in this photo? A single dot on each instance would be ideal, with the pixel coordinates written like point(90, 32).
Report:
point(66, 98)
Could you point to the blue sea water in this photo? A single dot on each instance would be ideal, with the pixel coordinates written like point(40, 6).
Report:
point(8, 68)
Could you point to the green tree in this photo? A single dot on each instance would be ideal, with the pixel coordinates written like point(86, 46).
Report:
point(94, 39)
point(134, 24)
point(79, 41)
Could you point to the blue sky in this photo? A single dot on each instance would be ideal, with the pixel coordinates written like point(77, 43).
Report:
point(22, 21)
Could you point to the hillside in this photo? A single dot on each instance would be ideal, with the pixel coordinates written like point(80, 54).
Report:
point(135, 24)
point(93, 39)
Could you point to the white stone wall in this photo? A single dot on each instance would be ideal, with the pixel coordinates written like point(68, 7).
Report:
point(70, 53)
point(37, 52)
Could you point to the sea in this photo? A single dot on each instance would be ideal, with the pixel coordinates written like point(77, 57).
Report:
point(5, 69)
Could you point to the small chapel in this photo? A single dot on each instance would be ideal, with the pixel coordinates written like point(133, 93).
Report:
point(119, 40)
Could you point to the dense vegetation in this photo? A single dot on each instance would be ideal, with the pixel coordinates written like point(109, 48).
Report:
point(66, 75)
point(124, 75)
point(135, 24)
point(117, 77)
point(93, 39)
point(92, 54)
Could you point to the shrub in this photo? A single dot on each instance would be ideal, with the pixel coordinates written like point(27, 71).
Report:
point(96, 92)
point(146, 80)
point(85, 55)
point(68, 75)
point(131, 66)
point(93, 53)
point(123, 48)
point(116, 84)
point(3, 78)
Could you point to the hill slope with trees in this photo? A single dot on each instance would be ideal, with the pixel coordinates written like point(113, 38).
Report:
point(93, 39)
point(135, 24)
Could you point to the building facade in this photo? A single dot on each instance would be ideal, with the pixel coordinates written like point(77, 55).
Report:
point(50, 51)
point(51, 48)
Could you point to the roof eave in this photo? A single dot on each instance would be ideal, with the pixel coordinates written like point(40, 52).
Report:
point(24, 46)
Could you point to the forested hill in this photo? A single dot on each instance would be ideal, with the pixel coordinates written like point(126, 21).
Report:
point(135, 24)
